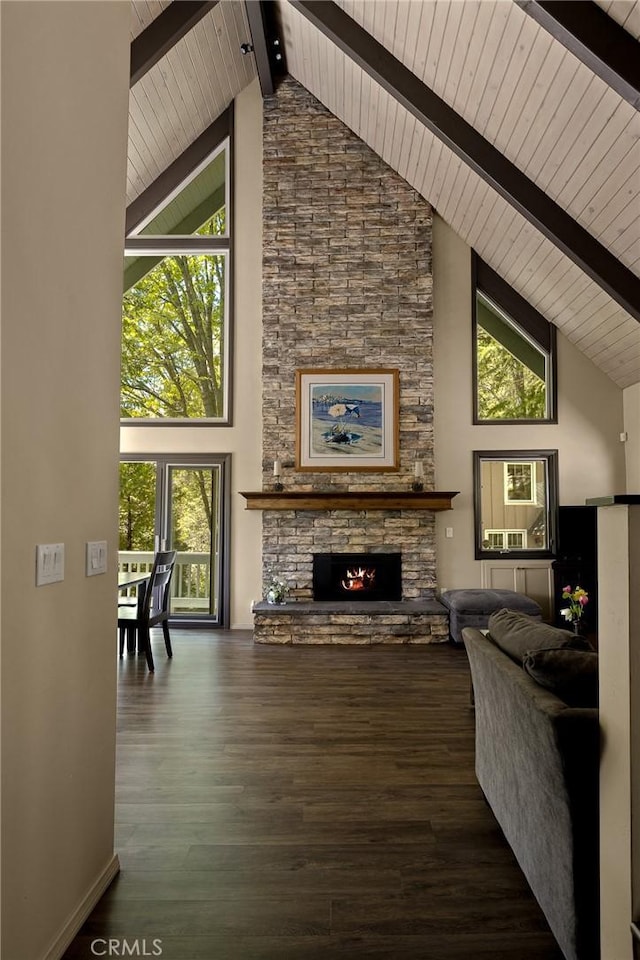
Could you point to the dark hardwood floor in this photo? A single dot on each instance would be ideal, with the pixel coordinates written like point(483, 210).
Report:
point(298, 803)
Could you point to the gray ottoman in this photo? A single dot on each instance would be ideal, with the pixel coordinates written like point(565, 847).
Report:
point(472, 608)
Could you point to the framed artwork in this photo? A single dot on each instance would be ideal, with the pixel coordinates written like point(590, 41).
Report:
point(347, 420)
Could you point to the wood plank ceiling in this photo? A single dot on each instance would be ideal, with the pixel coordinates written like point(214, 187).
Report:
point(561, 125)
point(186, 90)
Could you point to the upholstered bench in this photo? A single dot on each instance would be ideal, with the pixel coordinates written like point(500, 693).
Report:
point(473, 607)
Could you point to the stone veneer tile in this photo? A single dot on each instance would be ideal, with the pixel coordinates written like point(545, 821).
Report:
point(347, 282)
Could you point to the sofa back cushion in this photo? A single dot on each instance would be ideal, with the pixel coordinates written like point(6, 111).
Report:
point(517, 635)
point(571, 674)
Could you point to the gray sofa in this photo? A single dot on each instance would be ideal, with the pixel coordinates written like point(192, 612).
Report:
point(537, 763)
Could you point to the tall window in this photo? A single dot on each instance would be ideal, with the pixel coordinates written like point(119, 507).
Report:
point(175, 316)
point(513, 355)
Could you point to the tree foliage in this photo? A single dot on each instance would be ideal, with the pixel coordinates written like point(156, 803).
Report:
point(137, 506)
point(191, 505)
point(173, 336)
point(507, 389)
point(193, 497)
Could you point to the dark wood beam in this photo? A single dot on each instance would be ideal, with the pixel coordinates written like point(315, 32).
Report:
point(255, 16)
point(177, 172)
point(164, 32)
point(595, 38)
point(494, 168)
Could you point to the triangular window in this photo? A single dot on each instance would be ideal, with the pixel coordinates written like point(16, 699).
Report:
point(513, 355)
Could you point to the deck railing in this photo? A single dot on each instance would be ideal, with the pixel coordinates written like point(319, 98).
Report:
point(191, 581)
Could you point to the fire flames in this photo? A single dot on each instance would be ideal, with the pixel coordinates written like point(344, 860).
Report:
point(359, 578)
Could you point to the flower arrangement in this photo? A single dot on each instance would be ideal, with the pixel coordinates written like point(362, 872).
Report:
point(275, 589)
point(578, 599)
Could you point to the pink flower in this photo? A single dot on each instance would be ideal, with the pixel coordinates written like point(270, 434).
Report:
point(566, 589)
point(583, 600)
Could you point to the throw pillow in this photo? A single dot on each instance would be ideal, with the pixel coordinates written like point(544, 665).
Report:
point(517, 634)
point(571, 674)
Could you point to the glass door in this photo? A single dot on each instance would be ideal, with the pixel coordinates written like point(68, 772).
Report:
point(191, 525)
point(179, 503)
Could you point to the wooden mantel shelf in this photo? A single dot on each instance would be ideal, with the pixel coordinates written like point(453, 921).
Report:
point(301, 500)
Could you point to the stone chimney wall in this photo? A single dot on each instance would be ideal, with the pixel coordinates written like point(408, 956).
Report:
point(347, 283)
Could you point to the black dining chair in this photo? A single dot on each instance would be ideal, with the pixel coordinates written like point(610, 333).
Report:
point(154, 609)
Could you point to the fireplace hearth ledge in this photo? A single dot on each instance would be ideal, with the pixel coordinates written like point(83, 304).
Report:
point(350, 622)
point(372, 607)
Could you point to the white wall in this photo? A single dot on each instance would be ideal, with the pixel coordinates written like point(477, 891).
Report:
point(243, 440)
point(631, 399)
point(590, 417)
point(65, 69)
point(619, 662)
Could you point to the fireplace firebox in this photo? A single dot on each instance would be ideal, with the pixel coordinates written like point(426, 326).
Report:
point(357, 576)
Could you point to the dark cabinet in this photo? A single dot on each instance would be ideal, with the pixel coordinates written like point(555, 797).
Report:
point(577, 560)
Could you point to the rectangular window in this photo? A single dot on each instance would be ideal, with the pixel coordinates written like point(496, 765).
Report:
point(174, 339)
point(520, 483)
point(505, 539)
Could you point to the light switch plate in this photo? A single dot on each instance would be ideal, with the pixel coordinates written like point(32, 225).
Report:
point(49, 563)
point(96, 557)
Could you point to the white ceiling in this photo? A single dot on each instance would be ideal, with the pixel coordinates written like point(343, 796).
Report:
point(186, 90)
point(512, 81)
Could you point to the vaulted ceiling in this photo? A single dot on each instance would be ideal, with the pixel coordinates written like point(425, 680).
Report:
point(528, 150)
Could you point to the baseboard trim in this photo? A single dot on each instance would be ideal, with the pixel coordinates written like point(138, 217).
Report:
point(82, 911)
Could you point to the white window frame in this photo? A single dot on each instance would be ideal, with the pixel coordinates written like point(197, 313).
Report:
point(505, 534)
point(532, 469)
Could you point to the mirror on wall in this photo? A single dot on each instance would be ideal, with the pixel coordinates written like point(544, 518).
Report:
point(515, 503)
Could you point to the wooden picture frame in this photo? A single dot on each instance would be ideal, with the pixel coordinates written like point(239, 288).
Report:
point(347, 420)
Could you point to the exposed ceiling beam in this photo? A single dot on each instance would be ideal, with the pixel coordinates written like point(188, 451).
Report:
point(595, 38)
point(171, 25)
point(505, 178)
point(177, 172)
point(255, 16)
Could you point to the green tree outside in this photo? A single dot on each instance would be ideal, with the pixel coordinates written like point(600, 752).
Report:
point(507, 388)
point(137, 506)
point(173, 338)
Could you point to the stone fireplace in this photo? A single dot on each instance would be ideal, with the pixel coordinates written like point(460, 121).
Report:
point(347, 283)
